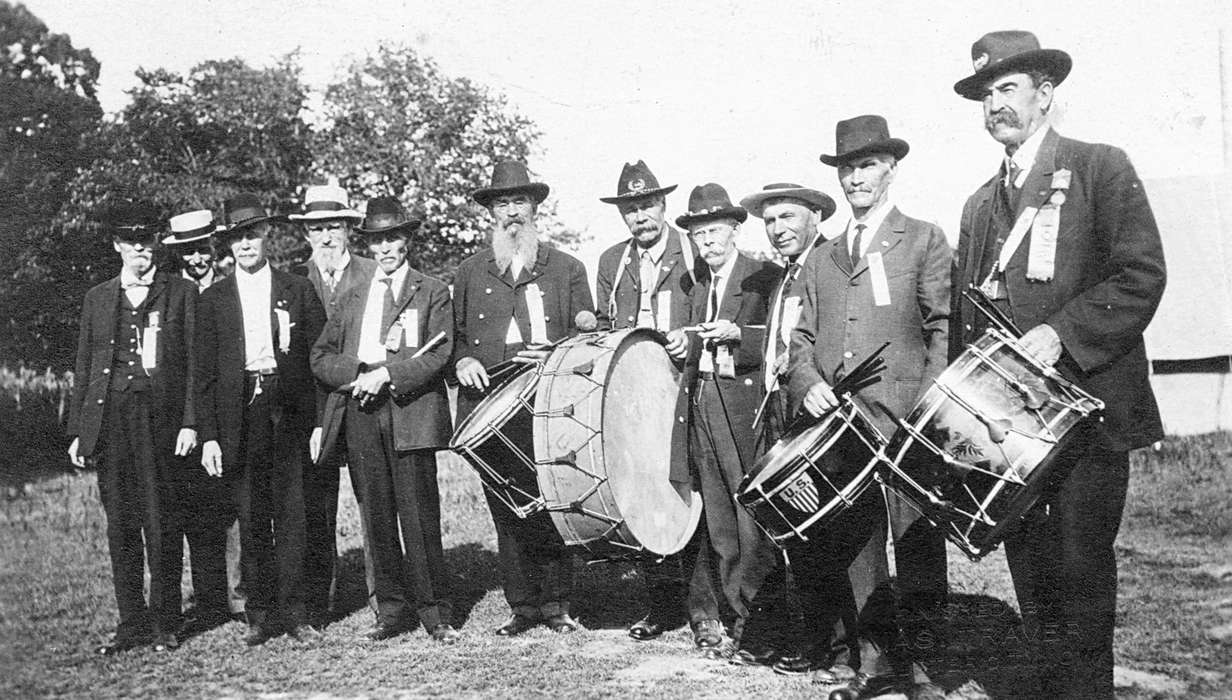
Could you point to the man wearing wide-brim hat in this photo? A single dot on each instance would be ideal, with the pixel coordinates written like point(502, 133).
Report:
point(1063, 241)
point(510, 300)
point(132, 413)
point(383, 356)
point(328, 221)
point(646, 281)
point(722, 363)
point(885, 279)
point(256, 409)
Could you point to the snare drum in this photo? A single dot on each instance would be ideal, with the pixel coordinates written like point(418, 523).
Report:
point(974, 454)
point(604, 415)
point(813, 474)
point(495, 440)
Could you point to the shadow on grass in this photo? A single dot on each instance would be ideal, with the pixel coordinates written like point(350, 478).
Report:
point(976, 637)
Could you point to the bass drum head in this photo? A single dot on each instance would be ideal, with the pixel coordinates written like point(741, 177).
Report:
point(639, 413)
point(496, 409)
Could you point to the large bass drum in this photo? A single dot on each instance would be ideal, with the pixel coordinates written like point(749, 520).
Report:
point(604, 415)
point(976, 451)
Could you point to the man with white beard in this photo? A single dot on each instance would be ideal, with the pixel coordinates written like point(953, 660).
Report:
point(509, 299)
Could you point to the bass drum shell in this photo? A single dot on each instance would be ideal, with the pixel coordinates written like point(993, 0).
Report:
point(604, 416)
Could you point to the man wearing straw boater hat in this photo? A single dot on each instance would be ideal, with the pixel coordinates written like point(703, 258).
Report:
point(1063, 241)
point(199, 508)
point(517, 295)
point(328, 222)
point(723, 389)
point(646, 281)
point(132, 413)
point(383, 355)
point(256, 401)
point(886, 279)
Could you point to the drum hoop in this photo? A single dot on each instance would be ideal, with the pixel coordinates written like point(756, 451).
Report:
point(797, 463)
point(521, 399)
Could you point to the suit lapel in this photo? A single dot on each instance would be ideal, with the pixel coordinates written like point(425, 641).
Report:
point(980, 225)
point(729, 305)
point(410, 285)
point(107, 314)
point(672, 256)
point(1035, 188)
point(839, 255)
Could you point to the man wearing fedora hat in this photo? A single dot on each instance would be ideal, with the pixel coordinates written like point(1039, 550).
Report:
point(384, 356)
point(722, 392)
point(256, 403)
point(1062, 240)
point(197, 507)
point(328, 220)
point(132, 413)
point(646, 282)
point(886, 279)
point(517, 295)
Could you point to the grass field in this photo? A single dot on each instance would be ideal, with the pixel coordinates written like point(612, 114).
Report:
point(56, 604)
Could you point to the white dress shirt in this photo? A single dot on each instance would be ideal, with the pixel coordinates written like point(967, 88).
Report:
point(255, 300)
point(648, 267)
point(775, 325)
point(1024, 157)
point(718, 286)
point(872, 223)
point(136, 288)
point(371, 339)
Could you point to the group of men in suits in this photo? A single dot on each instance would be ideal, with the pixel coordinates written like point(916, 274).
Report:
point(283, 378)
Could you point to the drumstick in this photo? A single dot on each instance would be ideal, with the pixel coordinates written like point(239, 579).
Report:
point(433, 342)
point(765, 400)
point(984, 305)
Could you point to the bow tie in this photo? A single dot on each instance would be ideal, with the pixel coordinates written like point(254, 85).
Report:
point(136, 282)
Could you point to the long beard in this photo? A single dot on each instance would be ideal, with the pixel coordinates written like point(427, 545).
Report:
point(327, 258)
point(524, 243)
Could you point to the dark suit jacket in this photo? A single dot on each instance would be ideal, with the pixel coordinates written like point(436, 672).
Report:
point(417, 385)
point(1108, 281)
point(484, 300)
point(358, 272)
point(745, 298)
point(220, 359)
point(620, 268)
point(840, 323)
point(172, 406)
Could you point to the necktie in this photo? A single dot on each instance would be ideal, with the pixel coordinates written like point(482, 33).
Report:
point(855, 246)
point(780, 347)
point(387, 305)
point(714, 299)
point(1011, 174)
point(331, 280)
point(646, 284)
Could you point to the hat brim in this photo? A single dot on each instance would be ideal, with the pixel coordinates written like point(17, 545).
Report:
point(629, 196)
point(326, 215)
point(737, 213)
point(537, 190)
point(227, 231)
point(895, 147)
point(410, 225)
point(1054, 62)
point(756, 202)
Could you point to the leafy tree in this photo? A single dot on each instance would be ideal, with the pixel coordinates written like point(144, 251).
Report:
point(184, 142)
point(394, 124)
point(47, 106)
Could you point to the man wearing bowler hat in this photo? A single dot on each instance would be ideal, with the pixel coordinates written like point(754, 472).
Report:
point(1062, 240)
point(198, 508)
point(384, 356)
point(510, 299)
point(646, 282)
point(131, 411)
point(886, 279)
point(256, 409)
point(722, 392)
point(328, 220)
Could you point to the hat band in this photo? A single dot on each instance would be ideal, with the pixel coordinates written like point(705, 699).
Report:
point(383, 221)
point(246, 214)
point(135, 232)
point(324, 206)
point(208, 228)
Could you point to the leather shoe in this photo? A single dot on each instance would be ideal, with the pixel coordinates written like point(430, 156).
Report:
point(165, 641)
point(444, 633)
point(305, 632)
point(925, 691)
point(796, 665)
point(648, 628)
point(755, 655)
point(119, 643)
point(850, 690)
point(383, 630)
point(562, 624)
point(835, 675)
point(515, 625)
point(257, 634)
point(707, 634)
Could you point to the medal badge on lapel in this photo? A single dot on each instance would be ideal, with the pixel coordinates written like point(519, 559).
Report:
point(283, 316)
point(1041, 261)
